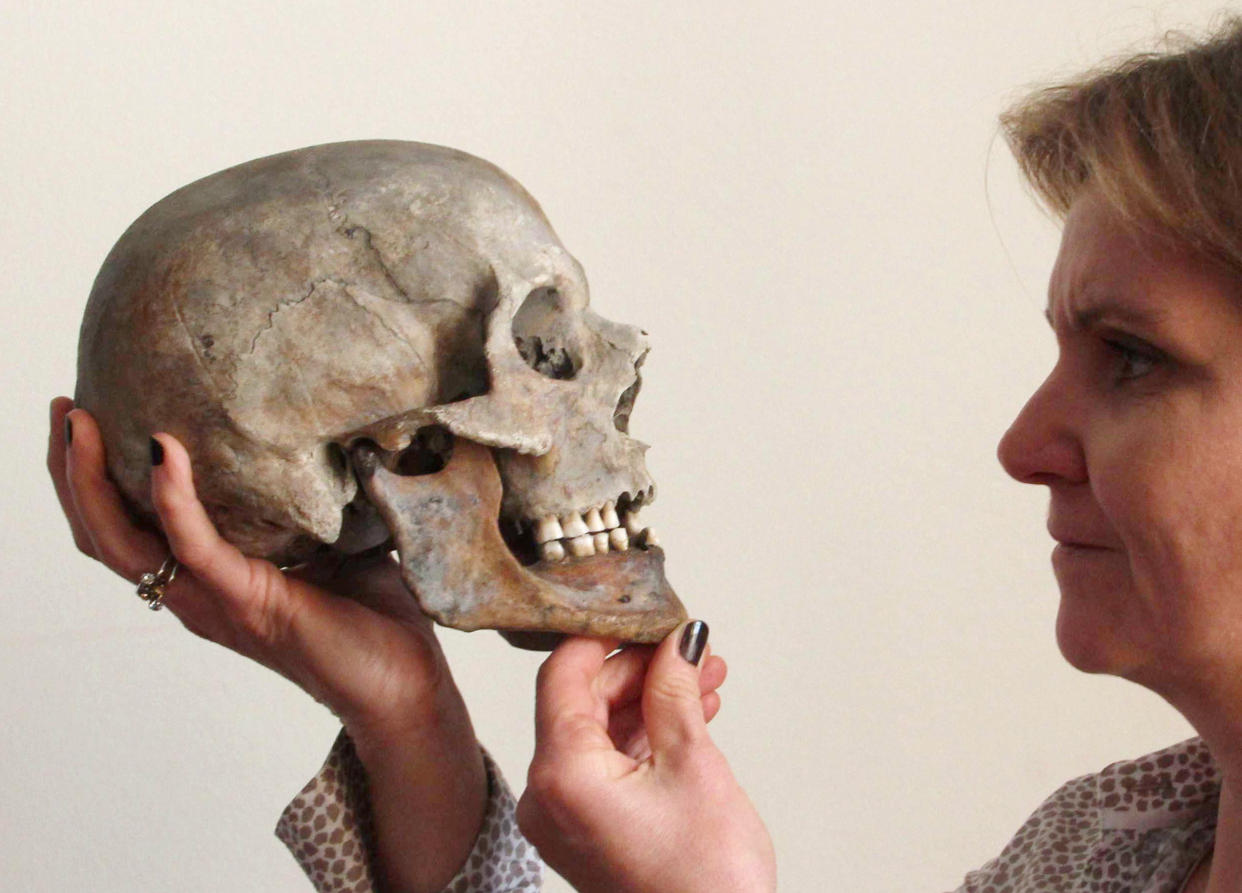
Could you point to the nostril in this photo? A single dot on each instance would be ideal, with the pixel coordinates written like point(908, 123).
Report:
point(625, 406)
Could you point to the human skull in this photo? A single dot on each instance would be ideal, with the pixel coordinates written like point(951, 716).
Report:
point(384, 343)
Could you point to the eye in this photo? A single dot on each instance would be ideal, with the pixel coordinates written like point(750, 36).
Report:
point(543, 331)
point(1132, 358)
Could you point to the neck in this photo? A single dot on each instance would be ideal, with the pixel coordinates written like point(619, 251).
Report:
point(1220, 726)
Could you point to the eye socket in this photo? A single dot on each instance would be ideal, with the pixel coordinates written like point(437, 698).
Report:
point(543, 332)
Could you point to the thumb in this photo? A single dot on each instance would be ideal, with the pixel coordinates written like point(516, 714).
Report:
point(672, 705)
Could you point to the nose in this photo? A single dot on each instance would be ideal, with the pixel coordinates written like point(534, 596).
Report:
point(1044, 443)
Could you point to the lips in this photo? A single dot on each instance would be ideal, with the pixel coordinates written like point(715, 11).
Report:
point(1080, 536)
point(1072, 542)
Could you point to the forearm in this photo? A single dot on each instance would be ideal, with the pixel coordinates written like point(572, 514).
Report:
point(428, 792)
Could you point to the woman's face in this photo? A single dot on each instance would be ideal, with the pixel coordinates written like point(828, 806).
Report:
point(1137, 433)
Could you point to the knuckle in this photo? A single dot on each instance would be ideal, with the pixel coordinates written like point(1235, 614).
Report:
point(674, 687)
point(195, 555)
point(548, 806)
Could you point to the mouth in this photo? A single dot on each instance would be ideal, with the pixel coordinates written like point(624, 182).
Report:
point(612, 526)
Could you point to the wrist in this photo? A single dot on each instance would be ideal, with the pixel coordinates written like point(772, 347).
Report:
point(429, 722)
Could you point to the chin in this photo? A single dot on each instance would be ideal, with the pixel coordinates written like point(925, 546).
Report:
point(1087, 639)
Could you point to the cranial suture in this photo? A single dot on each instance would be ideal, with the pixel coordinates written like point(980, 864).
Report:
point(384, 342)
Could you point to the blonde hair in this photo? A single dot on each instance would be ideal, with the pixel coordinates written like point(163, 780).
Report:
point(1157, 135)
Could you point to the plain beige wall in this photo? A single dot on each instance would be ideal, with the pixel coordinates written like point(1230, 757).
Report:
point(804, 203)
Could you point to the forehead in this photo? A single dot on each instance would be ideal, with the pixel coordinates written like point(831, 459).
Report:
point(1107, 263)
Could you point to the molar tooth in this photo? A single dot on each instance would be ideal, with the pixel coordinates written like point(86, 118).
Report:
point(552, 551)
point(601, 542)
point(609, 515)
point(573, 525)
point(593, 521)
point(632, 527)
point(649, 538)
point(618, 539)
point(582, 546)
point(548, 529)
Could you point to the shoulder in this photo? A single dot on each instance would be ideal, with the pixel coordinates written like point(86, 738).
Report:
point(1165, 789)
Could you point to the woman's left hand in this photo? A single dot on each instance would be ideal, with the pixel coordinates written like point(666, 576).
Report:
point(627, 791)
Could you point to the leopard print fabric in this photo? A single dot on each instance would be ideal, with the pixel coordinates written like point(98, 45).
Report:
point(329, 831)
point(1139, 826)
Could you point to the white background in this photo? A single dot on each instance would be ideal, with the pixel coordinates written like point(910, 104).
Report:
point(804, 203)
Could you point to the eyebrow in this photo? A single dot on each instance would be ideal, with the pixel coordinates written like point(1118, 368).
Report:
point(1088, 316)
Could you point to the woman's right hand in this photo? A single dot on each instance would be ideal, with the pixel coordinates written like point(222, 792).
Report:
point(371, 657)
point(626, 791)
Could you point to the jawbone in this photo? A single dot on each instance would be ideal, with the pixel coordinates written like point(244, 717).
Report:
point(455, 562)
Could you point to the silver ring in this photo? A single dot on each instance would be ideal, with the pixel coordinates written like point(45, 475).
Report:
point(151, 586)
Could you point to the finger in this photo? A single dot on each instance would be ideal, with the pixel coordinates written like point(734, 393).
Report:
point(57, 466)
point(712, 672)
point(191, 534)
point(625, 727)
point(621, 680)
point(671, 701)
point(568, 711)
point(115, 539)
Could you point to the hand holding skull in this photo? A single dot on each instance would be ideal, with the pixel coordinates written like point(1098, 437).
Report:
point(354, 640)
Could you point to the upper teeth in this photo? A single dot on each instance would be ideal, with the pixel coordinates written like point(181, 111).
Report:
point(599, 531)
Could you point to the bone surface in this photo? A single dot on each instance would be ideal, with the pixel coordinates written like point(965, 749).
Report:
point(278, 315)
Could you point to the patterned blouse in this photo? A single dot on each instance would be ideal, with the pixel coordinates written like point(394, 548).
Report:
point(1139, 826)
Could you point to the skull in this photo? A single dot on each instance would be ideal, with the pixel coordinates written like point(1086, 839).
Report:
point(383, 344)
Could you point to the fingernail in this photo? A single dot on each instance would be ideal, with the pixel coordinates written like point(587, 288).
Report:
point(693, 641)
point(68, 431)
point(157, 452)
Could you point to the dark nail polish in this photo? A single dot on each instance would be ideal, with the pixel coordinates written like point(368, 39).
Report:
point(157, 452)
point(68, 431)
point(693, 641)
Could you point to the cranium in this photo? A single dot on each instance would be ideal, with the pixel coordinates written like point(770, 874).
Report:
point(384, 343)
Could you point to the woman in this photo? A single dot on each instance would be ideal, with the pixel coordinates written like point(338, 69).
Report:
point(1137, 433)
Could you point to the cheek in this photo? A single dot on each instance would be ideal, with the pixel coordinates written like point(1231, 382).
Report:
point(1172, 490)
